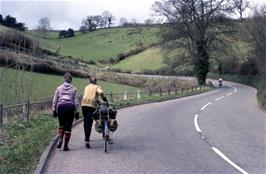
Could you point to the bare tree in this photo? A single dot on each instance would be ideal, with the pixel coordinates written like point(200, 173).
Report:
point(133, 21)
point(148, 21)
point(90, 23)
point(102, 22)
point(195, 25)
point(122, 21)
point(109, 18)
point(44, 25)
point(241, 6)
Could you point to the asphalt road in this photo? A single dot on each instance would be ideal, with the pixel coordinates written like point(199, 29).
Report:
point(222, 131)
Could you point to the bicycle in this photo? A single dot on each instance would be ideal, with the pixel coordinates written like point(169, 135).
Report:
point(105, 122)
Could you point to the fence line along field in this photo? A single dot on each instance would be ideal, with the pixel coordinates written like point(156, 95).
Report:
point(17, 86)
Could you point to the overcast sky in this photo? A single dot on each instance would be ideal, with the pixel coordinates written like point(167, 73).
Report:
point(69, 14)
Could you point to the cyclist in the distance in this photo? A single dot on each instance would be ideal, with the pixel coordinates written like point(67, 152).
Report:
point(220, 82)
point(90, 97)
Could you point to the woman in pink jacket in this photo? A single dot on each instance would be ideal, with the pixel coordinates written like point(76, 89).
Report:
point(65, 106)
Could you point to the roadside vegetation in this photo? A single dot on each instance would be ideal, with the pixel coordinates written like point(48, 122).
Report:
point(22, 144)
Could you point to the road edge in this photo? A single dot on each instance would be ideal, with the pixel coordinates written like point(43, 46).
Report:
point(47, 152)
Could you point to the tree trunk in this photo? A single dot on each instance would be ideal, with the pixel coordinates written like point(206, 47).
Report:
point(202, 62)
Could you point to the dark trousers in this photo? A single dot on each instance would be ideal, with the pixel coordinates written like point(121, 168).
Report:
point(66, 117)
point(88, 121)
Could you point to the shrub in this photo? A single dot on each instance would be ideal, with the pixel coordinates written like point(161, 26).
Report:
point(121, 56)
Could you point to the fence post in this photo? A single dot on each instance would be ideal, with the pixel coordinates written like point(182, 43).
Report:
point(125, 95)
point(182, 90)
point(138, 95)
point(168, 91)
point(24, 108)
point(150, 92)
point(161, 92)
point(28, 110)
point(111, 97)
point(1, 116)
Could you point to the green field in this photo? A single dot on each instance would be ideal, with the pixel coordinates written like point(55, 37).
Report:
point(150, 59)
point(16, 86)
point(101, 44)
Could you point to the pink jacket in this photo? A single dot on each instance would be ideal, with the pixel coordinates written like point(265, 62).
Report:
point(66, 95)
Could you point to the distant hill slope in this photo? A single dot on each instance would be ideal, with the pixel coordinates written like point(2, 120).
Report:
point(150, 59)
point(3, 28)
point(101, 44)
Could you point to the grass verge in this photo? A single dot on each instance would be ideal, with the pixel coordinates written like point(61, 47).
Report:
point(24, 142)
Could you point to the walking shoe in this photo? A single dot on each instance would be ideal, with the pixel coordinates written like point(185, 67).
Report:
point(87, 144)
point(67, 137)
point(66, 148)
point(60, 142)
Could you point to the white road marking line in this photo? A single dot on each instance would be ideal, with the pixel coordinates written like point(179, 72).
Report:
point(219, 98)
point(229, 94)
point(235, 89)
point(228, 160)
point(205, 106)
point(196, 123)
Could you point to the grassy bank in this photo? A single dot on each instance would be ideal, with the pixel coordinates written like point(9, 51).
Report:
point(23, 143)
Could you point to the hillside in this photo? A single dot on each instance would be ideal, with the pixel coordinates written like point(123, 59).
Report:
point(150, 59)
point(101, 44)
point(108, 44)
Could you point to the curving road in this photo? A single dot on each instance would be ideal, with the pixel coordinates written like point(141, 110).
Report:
point(222, 131)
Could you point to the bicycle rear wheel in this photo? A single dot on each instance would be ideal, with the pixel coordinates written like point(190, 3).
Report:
point(106, 136)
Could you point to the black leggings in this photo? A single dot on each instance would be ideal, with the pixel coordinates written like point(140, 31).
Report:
point(66, 117)
point(88, 121)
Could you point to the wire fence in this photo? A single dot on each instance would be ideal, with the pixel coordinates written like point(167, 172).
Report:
point(23, 111)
